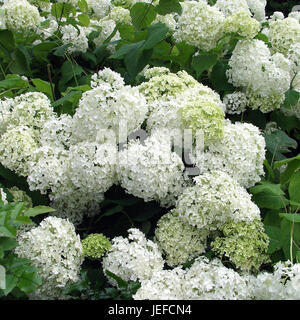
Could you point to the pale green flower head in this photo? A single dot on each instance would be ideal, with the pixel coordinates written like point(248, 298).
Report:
point(242, 24)
point(283, 34)
point(164, 84)
point(20, 196)
point(179, 241)
point(264, 103)
point(17, 149)
point(21, 16)
point(120, 15)
point(244, 243)
point(95, 246)
point(206, 116)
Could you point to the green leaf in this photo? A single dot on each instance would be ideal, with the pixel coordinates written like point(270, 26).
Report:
point(156, 33)
point(8, 231)
point(294, 187)
point(185, 53)
point(278, 143)
point(285, 239)
point(7, 244)
point(83, 6)
point(29, 281)
point(43, 86)
point(289, 171)
point(62, 9)
point(84, 20)
point(42, 50)
point(10, 283)
point(269, 196)
point(274, 235)
point(142, 14)
point(219, 79)
point(32, 212)
point(272, 219)
point(15, 83)
point(292, 217)
point(112, 211)
point(61, 51)
point(168, 6)
point(203, 62)
point(291, 98)
point(7, 41)
point(278, 164)
point(20, 61)
point(122, 284)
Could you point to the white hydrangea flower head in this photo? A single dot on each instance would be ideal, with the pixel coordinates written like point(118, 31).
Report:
point(198, 108)
point(6, 105)
point(50, 171)
point(241, 154)
point(257, 7)
point(78, 40)
point(235, 102)
point(3, 196)
point(229, 7)
point(31, 109)
point(133, 258)
point(215, 198)
point(167, 19)
point(42, 5)
point(55, 249)
point(75, 204)
point(295, 15)
point(282, 284)
point(211, 280)
point(277, 15)
point(107, 27)
point(120, 15)
point(101, 8)
point(178, 240)
point(164, 85)
point(48, 30)
point(92, 166)
point(57, 132)
point(199, 25)
point(109, 78)
point(266, 77)
point(241, 23)
point(109, 106)
point(163, 285)
point(151, 171)
point(21, 16)
point(17, 148)
point(283, 34)
point(294, 56)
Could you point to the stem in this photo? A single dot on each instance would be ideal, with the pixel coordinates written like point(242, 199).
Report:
point(291, 243)
point(50, 80)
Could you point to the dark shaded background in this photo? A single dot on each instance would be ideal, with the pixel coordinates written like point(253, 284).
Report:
point(281, 5)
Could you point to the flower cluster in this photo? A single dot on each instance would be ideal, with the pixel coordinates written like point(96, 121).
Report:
point(20, 15)
point(199, 25)
point(245, 244)
point(178, 240)
point(213, 200)
point(133, 258)
point(240, 153)
point(265, 77)
point(95, 245)
point(108, 105)
point(55, 249)
point(162, 177)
